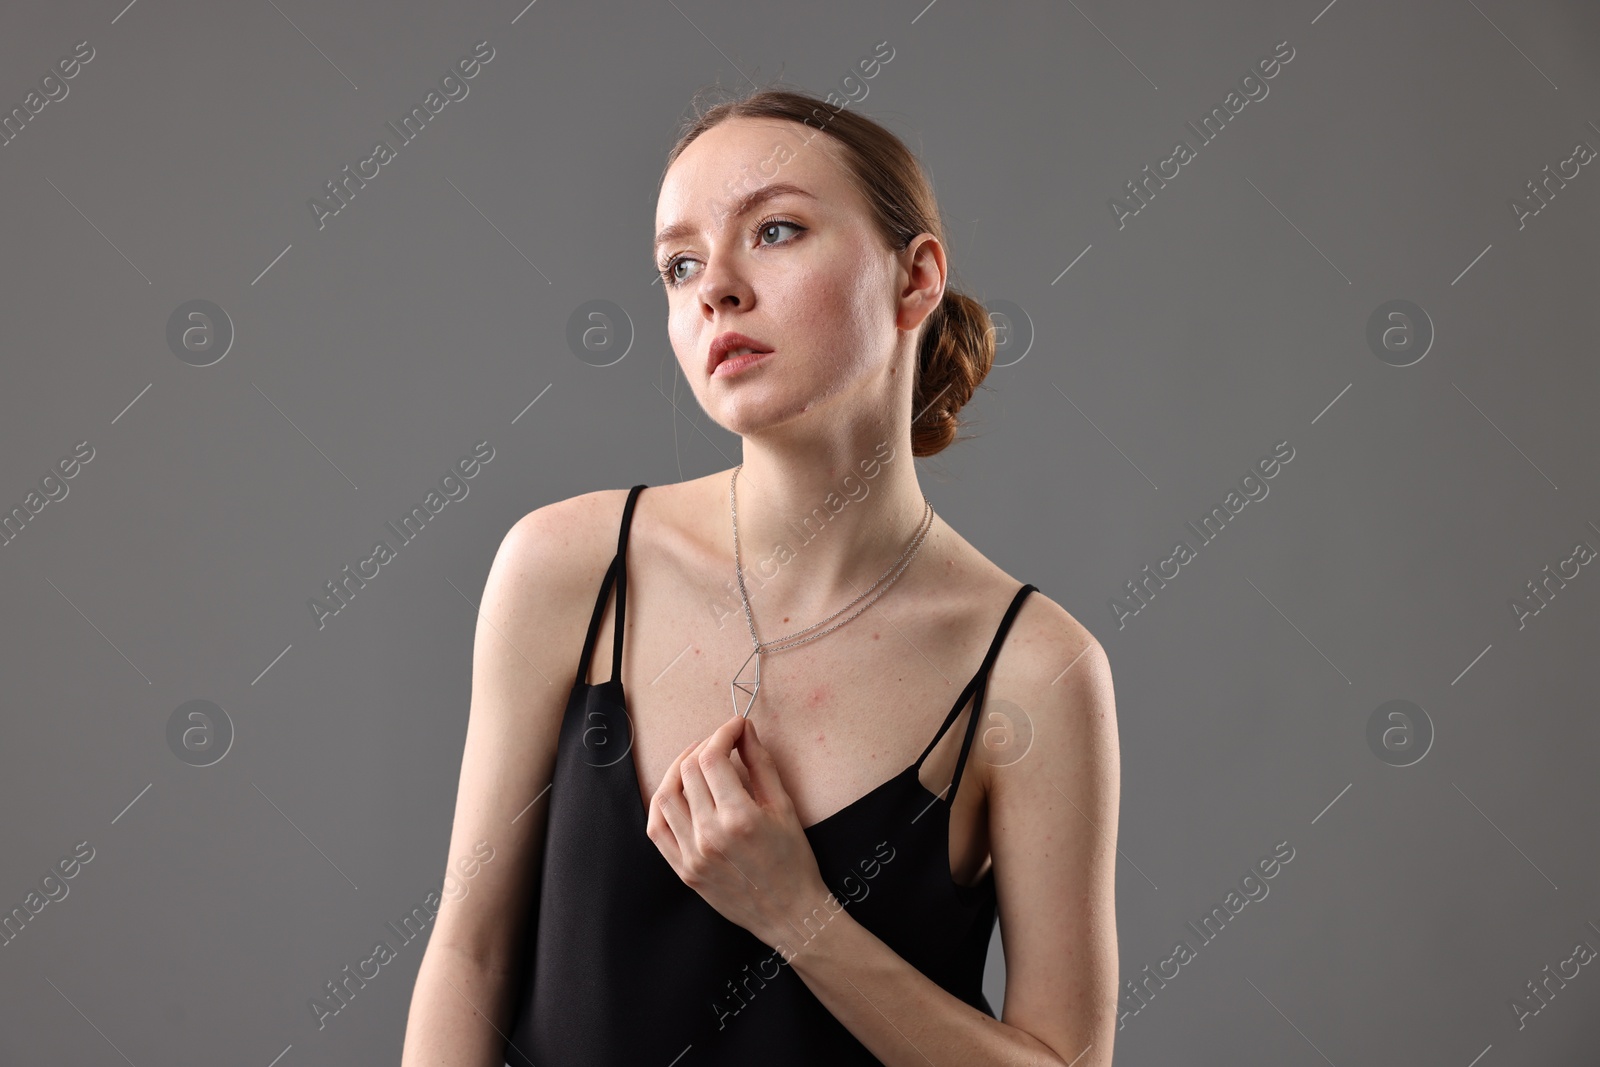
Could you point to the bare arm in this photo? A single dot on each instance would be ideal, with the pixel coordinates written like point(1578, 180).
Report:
point(1053, 818)
point(529, 632)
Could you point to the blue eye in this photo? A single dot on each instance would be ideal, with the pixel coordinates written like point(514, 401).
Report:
point(774, 223)
point(668, 270)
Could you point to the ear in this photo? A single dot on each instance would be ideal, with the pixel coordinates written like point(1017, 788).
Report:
point(923, 266)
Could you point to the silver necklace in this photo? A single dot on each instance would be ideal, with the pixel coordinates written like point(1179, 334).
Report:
point(751, 685)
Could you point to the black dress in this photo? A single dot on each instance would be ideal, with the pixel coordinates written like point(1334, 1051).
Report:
point(624, 964)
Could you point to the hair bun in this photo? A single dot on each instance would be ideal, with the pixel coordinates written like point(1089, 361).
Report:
point(956, 354)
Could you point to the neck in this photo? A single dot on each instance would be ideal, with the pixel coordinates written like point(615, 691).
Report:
point(818, 527)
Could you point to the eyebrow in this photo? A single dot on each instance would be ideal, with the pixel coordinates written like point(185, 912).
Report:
point(750, 200)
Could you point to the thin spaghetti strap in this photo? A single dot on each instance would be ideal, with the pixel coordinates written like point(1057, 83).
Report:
point(976, 688)
point(622, 583)
point(594, 625)
point(616, 572)
point(983, 687)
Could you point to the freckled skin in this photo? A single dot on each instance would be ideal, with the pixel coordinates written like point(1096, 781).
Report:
point(824, 297)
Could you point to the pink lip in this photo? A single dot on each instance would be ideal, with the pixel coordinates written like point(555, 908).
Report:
point(737, 364)
point(724, 343)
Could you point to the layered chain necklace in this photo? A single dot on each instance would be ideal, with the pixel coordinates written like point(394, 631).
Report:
point(751, 684)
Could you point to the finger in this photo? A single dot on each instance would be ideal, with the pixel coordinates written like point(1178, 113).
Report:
point(716, 764)
point(702, 805)
point(666, 838)
point(668, 796)
point(675, 810)
point(721, 741)
point(726, 787)
point(672, 768)
point(744, 772)
point(764, 779)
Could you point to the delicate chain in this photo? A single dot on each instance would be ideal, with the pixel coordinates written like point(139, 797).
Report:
point(781, 643)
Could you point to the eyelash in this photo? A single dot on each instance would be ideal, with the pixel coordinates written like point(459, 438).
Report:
point(667, 268)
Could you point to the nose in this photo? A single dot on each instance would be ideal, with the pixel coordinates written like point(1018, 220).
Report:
point(723, 285)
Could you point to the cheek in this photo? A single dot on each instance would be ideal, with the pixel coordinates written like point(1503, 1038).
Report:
point(680, 332)
point(867, 306)
point(837, 317)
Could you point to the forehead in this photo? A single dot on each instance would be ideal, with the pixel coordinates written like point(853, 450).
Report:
point(741, 156)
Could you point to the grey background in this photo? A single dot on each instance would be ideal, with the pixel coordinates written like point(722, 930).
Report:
point(1228, 315)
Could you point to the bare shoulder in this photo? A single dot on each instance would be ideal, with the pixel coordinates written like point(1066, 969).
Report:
point(1049, 646)
point(1052, 689)
point(574, 528)
point(553, 558)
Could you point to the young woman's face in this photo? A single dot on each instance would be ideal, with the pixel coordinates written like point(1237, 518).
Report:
point(803, 273)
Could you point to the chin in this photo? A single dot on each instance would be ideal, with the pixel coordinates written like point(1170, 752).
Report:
point(751, 415)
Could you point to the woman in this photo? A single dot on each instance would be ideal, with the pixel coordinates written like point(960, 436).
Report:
point(701, 851)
